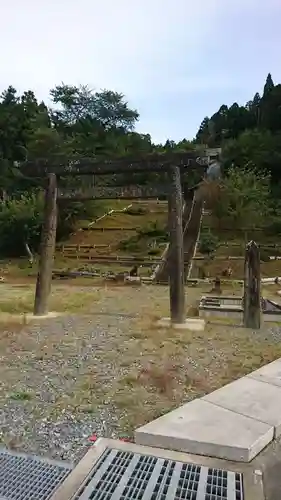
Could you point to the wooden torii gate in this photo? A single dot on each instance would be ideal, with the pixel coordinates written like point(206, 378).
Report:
point(172, 164)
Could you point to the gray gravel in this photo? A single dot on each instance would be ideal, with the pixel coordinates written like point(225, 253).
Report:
point(58, 377)
point(36, 425)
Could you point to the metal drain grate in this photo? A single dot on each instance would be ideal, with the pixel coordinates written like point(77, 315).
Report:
point(122, 475)
point(27, 478)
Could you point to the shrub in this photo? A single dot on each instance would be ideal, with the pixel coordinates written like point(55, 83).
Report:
point(208, 243)
point(130, 245)
point(153, 230)
point(20, 223)
point(264, 255)
point(274, 227)
point(71, 211)
point(137, 211)
point(154, 251)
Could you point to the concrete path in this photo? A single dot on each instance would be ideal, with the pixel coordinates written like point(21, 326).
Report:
point(234, 423)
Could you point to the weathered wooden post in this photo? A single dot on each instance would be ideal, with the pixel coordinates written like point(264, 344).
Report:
point(47, 249)
point(252, 296)
point(176, 255)
point(217, 286)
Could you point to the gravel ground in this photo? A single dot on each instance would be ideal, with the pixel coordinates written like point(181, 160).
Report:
point(107, 372)
point(39, 377)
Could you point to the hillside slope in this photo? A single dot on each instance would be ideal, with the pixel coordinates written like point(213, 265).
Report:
point(121, 232)
point(230, 251)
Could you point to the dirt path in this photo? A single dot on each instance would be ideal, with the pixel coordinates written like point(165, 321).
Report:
point(109, 371)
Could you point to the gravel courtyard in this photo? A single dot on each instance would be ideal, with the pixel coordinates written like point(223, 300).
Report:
point(104, 368)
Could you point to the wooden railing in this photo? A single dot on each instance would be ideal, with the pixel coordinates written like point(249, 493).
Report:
point(103, 229)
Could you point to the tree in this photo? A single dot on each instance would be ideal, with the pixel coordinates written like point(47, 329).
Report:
point(263, 113)
point(244, 199)
point(46, 143)
point(269, 85)
point(253, 108)
point(202, 135)
point(270, 109)
point(112, 111)
point(106, 108)
point(259, 149)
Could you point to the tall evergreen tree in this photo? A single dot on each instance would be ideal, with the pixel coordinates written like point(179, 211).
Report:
point(269, 85)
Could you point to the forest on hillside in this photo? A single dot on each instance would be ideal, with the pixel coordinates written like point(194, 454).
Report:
point(250, 134)
point(85, 123)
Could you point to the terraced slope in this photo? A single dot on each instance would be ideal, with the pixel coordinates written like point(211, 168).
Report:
point(231, 251)
point(103, 237)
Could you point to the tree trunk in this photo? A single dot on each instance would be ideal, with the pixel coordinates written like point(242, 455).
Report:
point(47, 249)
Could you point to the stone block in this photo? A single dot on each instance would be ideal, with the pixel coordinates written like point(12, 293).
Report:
point(251, 398)
point(270, 374)
point(202, 428)
point(193, 324)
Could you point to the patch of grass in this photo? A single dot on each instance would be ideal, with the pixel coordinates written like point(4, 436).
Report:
point(162, 377)
point(18, 268)
point(131, 244)
point(21, 396)
point(153, 233)
point(19, 300)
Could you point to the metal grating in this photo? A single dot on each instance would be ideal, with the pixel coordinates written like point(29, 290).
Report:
point(122, 475)
point(23, 477)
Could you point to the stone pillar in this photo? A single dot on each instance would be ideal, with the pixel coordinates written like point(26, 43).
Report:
point(176, 255)
point(252, 295)
point(47, 248)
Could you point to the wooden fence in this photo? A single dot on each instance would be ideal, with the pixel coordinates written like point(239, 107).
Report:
point(242, 245)
point(103, 229)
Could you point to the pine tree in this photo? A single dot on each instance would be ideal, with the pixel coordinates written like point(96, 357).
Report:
point(269, 85)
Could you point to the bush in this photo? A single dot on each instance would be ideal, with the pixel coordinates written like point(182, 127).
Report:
point(208, 243)
point(273, 228)
point(137, 211)
point(154, 251)
point(153, 230)
point(69, 212)
point(20, 223)
point(265, 255)
point(130, 245)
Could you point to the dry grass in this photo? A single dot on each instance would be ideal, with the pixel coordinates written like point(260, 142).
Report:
point(19, 299)
point(118, 220)
point(215, 267)
point(176, 367)
point(137, 369)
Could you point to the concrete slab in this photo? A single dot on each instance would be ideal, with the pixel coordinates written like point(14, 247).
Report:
point(32, 317)
point(270, 374)
point(193, 324)
point(202, 428)
point(269, 463)
point(251, 398)
point(25, 318)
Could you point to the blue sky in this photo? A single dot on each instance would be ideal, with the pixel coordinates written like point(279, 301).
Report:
point(176, 61)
